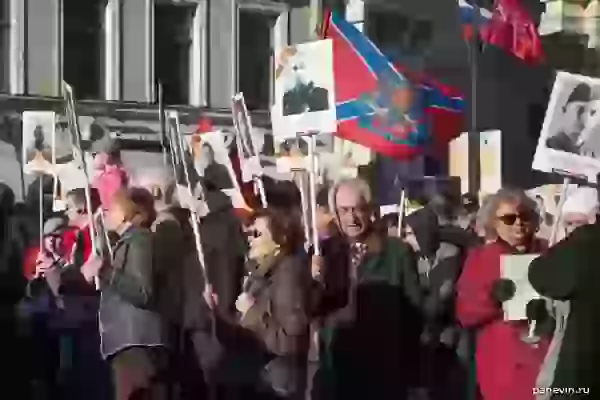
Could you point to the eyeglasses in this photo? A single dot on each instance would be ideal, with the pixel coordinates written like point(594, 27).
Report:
point(510, 219)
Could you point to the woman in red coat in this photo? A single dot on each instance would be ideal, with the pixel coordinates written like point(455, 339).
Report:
point(507, 362)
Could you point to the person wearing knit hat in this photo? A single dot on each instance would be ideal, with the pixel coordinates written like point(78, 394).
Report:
point(580, 208)
point(54, 226)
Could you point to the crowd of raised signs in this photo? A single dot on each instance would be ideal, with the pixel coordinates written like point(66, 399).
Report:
point(378, 312)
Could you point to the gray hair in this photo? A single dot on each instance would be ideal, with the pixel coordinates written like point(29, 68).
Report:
point(359, 185)
point(487, 213)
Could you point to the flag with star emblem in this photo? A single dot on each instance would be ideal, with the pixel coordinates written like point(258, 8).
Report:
point(382, 107)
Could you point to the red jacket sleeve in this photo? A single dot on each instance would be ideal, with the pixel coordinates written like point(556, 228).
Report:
point(474, 305)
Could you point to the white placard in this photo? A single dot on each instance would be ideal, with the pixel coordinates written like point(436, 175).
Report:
point(211, 159)
point(304, 90)
point(388, 209)
point(248, 148)
point(38, 134)
point(490, 161)
point(458, 158)
point(570, 139)
point(516, 268)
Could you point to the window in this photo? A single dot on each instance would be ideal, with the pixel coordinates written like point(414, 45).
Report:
point(398, 35)
point(255, 57)
point(172, 48)
point(83, 47)
point(5, 58)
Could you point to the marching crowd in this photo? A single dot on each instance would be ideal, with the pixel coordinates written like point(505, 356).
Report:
point(380, 313)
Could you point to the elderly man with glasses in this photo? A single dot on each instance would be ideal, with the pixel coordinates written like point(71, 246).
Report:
point(367, 300)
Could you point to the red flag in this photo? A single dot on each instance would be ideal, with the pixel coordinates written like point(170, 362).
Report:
point(512, 29)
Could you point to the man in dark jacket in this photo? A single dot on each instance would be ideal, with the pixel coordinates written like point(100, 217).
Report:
point(439, 265)
point(367, 297)
point(569, 271)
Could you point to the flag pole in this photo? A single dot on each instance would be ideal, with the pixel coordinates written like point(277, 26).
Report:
point(473, 163)
point(161, 120)
point(474, 53)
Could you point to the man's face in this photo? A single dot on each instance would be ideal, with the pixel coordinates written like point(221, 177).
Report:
point(353, 212)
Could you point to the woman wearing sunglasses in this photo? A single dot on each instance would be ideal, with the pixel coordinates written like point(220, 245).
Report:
point(507, 366)
point(273, 305)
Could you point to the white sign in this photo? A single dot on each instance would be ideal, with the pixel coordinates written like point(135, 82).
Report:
point(245, 139)
point(459, 160)
point(304, 90)
point(570, 139)
point(38, 134)
point(516, 268)
point(490, 161)
point(211, 159)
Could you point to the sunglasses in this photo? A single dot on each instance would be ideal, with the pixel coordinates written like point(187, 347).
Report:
point(510, 219)
point(253, 234)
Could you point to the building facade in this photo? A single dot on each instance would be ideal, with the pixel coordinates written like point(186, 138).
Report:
point(115, 50)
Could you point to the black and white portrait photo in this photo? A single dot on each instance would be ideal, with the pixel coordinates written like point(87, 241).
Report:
point(243, 127)
point(211, 160)
point(38, 133)
point(570, 137)
point(304, 89)
point(301, 93)
point(577, 121)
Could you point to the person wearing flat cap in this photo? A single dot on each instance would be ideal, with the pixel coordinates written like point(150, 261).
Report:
point(571, 121)
point(52, 254)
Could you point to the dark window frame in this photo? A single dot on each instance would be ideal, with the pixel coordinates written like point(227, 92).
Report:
point(182, 79)
point(413, 39)
point(269, 12)
point(75, 71)
point(5, 50)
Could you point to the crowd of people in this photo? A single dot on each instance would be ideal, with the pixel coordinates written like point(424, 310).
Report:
point(376, 313)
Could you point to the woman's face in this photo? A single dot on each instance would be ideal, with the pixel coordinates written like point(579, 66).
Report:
point(514, 223)
point(260, 239)
point(99, 161)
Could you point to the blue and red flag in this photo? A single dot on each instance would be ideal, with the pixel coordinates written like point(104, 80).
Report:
point(508, 26)
point(382, 108)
